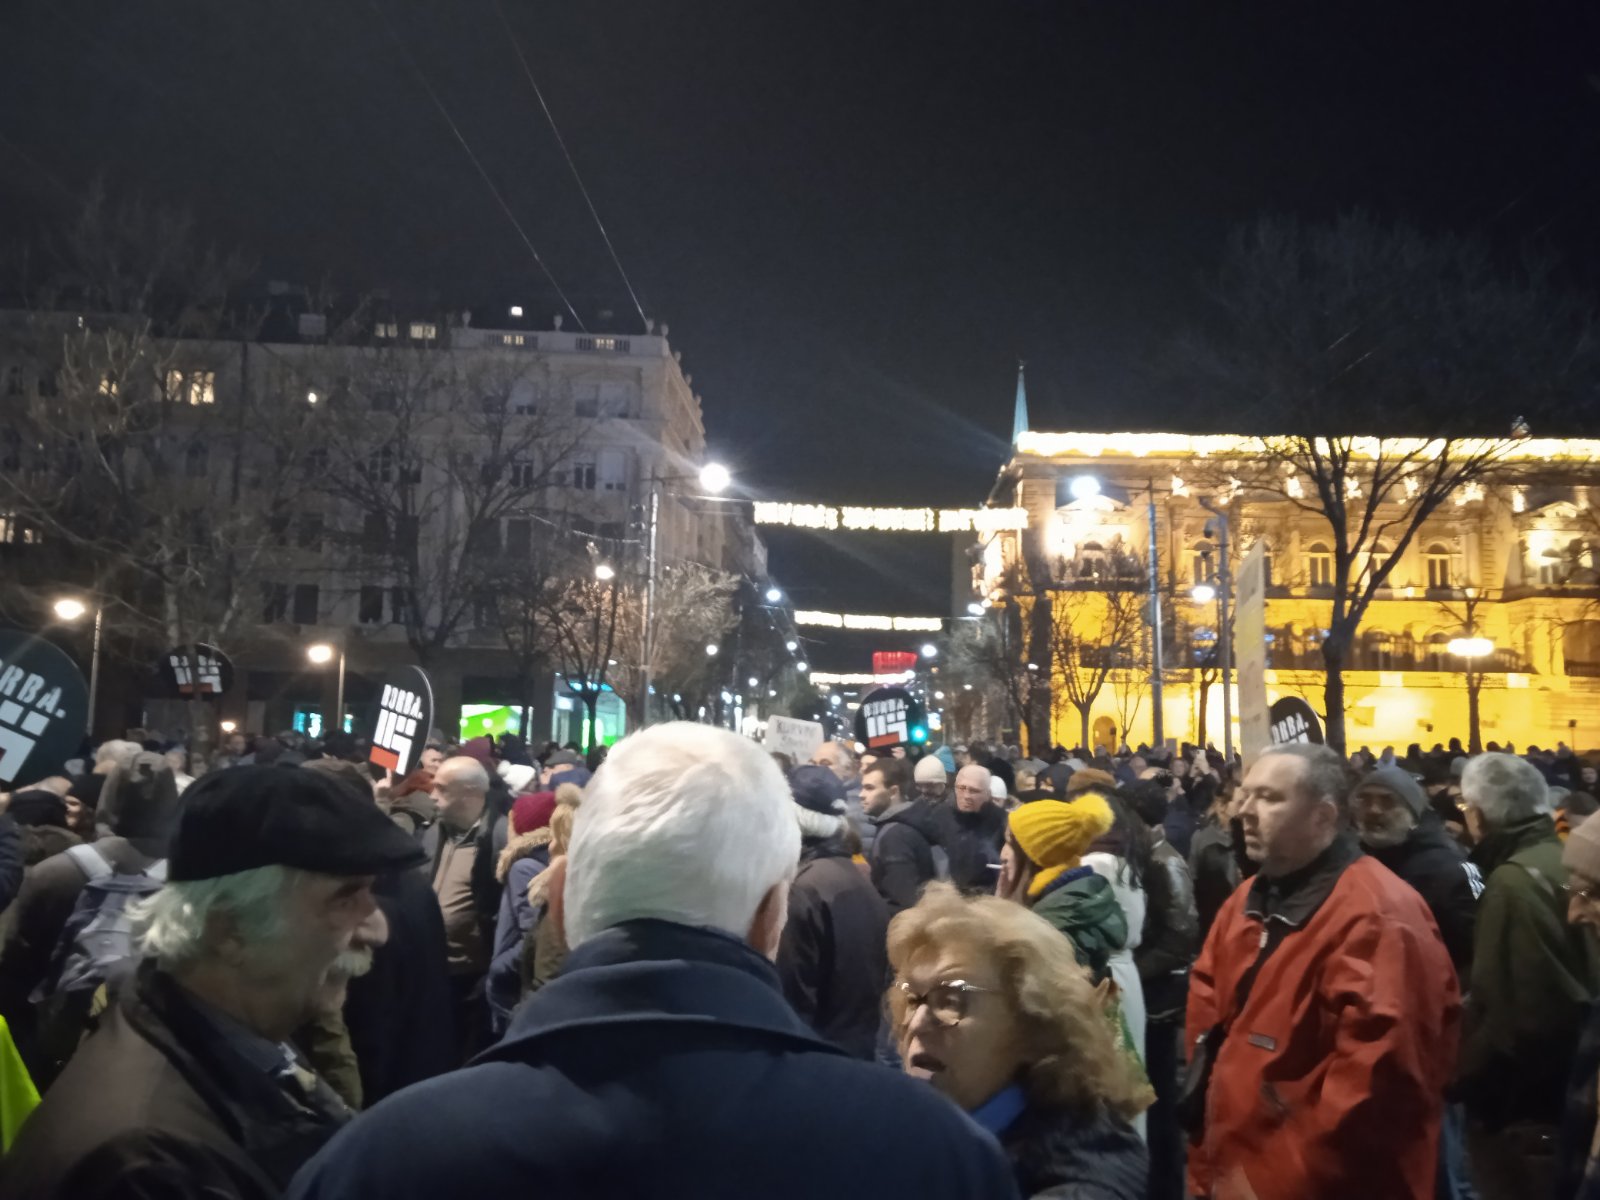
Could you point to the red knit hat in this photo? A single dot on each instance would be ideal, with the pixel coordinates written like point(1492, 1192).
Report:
point(532, 811)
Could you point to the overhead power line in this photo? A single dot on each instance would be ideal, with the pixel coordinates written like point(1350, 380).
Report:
point(466, 146)
point(571, 166)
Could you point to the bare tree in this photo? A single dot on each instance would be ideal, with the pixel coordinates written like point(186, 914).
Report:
point(1399, 365)
point(1094, 632)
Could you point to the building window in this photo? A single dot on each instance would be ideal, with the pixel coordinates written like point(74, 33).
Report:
point(583, 475)
point(386, 329)
point(612, 471)
point(1438, 566)
point(380, 465)
point(189, 387)
point(524, 399)
point(309, 536)
point(523, 472)
point(1319, 565)
point(519, 537)
point(305, 603)
point(423, 331)
point(1200, 564)
point(370, 609)
point(1378, 559)
point(109, 385)
point(610, 345)
point(397, 606)
point(520, 341)
point(274, 603)
point(374, 533)
point(406, 527)
point(15, 532)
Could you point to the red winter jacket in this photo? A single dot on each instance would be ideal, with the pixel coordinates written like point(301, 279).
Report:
point(1330, 1083)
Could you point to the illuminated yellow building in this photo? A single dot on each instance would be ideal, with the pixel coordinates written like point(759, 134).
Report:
point(1513, 560)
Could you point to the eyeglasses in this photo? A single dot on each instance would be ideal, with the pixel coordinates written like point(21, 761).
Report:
point(1591, 894)
point(946, 1001)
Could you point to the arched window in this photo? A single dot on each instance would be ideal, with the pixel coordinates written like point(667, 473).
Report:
point(1580, 646)
point(1380, 650)
point(1439, 566)
point(1438, 652)
point(1319, 565)
point(1201, 563)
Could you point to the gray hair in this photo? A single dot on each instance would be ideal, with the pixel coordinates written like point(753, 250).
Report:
point(1328, 776)
point(171, 925)
point(1504, 789)
point(118, 753)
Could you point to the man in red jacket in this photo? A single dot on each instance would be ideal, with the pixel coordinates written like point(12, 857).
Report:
point(1331, 1003)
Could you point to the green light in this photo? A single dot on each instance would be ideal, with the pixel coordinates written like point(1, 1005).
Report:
point(918, 734)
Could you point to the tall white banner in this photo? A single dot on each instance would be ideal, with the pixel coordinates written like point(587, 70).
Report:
point(1250, 651)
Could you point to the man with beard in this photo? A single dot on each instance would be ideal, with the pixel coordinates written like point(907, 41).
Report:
point(975, 831)
point(190, 1087)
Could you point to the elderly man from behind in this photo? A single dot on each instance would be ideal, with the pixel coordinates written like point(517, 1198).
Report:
point(190, 1087)
point(1533, 978)
point(663, 1060)
point(1328, 1005)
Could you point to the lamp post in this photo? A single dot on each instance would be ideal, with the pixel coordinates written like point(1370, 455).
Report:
point(322, 653)
point(1157, 667)
point(70, 608)
point(1224, 634)
point(1471, 648)
point(714, 478)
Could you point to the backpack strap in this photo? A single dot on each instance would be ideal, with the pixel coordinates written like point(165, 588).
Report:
point(90, 861)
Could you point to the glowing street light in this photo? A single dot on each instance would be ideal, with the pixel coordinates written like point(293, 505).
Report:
point(975, 609)
point(803, 668)
point(322, 653)
point(791, 645)
point(604, 572)
point(774, 594)
point(712, 649)
point(1204, 593)
point(754, 682)
point(715, 477)
point(1471, 647)
point(929, 650)
point(70, 609)
point(1083, 487)
point(229, 726)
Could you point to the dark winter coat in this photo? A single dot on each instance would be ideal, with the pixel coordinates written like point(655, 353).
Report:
point(13, 855)
point(833, 959)
point(1533, 979)
point(973, 841)
point(157, 1105)
point(1579, 1173)
point(399, 1013)
point(522, 859)
point(40, 842)
point(1217, 865)
point(663, 1061)
point(1057, 1156)
point(493, 834)
point(903, 852)
point(1082, 905)
point(1431, 861)
point(1171, 935)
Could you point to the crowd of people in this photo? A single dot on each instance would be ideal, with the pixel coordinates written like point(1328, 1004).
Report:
point(691, 967)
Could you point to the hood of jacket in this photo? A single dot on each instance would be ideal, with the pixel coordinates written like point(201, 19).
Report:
point(1500, 845)
point(521, 846)
point(919, 815)
point(1082, 905)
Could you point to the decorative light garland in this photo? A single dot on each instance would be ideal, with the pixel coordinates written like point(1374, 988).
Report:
point(868, 621)
point(826, 679)
point(1183, 445)
point(891, 520)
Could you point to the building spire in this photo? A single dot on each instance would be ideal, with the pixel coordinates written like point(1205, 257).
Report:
point(1019, 420)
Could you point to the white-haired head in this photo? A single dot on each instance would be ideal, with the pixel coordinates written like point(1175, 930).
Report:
point(172, 925)
point(115, 753)
point(1504, 789)
point(684, 823)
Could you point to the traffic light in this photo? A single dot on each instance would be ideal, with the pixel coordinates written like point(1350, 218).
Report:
point(919, 734)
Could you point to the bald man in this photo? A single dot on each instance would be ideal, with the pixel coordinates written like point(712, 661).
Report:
point(462, 847)
point(975, 832)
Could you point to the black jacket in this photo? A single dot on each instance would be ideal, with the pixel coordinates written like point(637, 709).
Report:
point(973, 841)
point(157, 1104)
point(662, 1061)
point(1171, 935)
point(903, 858)
point(1059, 1157)
point(1431, 861)
point(833, 959)
point(399, 1013)
point(11, 861)
point(1217, 865)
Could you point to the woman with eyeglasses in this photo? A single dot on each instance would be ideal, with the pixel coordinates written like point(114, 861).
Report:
point(990, 1005)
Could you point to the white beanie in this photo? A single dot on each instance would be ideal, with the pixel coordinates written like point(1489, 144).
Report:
point(997, 788)
point(930, 770)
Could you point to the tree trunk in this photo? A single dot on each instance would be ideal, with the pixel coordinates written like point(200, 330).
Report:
point(1474, 728)
point(1200, 718)
point(591, 702)
point(1333, 658)
point(1037, 718)
point(1083, 714)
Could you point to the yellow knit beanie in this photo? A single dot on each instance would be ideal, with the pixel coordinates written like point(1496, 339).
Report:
point(1055, 833)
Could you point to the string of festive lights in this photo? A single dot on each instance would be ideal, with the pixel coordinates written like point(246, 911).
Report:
point(1183, 445)
point(828, 679)
point(890, 520)
point(868, 621)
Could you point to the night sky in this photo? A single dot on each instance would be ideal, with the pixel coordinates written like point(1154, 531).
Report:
point(856, 217)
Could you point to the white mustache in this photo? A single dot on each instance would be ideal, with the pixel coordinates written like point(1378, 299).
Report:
point(352, 964)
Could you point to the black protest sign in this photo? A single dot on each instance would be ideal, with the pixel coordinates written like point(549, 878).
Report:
point(195, 670)
point(44, 708)
point(405, 714)
point(1291, 719)
point(890, 716)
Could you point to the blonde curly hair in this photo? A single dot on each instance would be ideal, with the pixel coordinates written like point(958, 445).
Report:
point(1074, 1060)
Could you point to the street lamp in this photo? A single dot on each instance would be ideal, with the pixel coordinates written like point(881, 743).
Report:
point(320, 654)
point(604, 572)
point(929, 650)
point(712, 649)
point(715, 477)
point(1472, 648)
point(791, 645)
point(70, 608)
point(774, 595)
point(803, 668)
point(1083, 487)
point(1204, 593)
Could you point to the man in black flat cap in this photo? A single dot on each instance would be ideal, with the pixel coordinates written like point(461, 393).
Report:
point(190, 1087)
